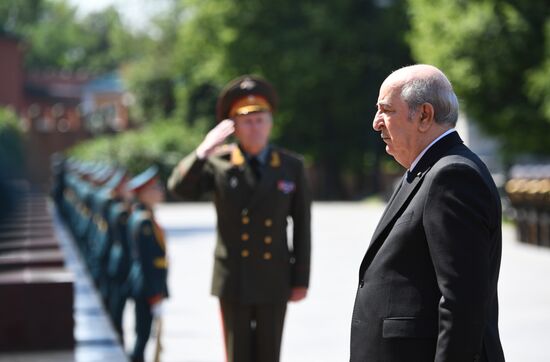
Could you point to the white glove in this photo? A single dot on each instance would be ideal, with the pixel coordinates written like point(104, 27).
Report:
point(215, 137)
point(157, 309)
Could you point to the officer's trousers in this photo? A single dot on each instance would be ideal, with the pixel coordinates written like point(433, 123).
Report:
point(252, 333)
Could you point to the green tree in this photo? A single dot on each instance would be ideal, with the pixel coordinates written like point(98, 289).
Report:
point(15, 14)
point(494, 53)
point(57, 39)
point(160, 142)
point(152, 77)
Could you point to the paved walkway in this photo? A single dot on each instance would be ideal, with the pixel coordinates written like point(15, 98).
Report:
point(317, 329)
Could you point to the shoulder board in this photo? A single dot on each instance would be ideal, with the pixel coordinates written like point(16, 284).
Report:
point(144, 224)
point(146, 228)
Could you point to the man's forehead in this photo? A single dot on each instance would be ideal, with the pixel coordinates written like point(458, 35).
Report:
point(388, 94)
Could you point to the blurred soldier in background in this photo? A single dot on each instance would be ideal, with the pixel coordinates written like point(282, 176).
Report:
point(118, 264)
point(102, 236)
point(147, 280)
point(256, 187)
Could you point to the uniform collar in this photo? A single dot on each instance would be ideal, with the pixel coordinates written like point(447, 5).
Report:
point(238, 157)
point(261, 157)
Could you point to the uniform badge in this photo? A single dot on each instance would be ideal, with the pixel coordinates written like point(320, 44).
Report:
point(286, 187)
point(233, 182)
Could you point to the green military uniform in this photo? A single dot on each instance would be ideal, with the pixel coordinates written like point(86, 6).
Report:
point(254, 267)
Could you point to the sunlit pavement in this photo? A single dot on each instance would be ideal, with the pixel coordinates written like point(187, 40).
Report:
point(317, 329)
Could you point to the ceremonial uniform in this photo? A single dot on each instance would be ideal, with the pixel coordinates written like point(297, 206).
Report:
point(254, 267)
point(147, 280)
point(102, 236)
point(118, 264)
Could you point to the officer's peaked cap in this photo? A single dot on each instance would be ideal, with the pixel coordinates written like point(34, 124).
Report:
point(246, 94)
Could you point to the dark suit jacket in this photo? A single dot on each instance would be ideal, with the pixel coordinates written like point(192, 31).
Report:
point(253, 261)
point(428, 281)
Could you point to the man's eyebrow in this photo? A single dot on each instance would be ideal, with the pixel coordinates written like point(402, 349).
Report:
point(383, 103)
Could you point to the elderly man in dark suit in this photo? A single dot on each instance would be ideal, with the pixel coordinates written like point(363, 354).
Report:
point(428, 281)
point(257, 187)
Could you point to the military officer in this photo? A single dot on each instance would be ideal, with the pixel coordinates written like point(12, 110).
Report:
point(147, 279)
point(256, 187)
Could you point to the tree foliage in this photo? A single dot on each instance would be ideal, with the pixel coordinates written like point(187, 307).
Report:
point(160, 142)
point(57, 39)
point(497, 54)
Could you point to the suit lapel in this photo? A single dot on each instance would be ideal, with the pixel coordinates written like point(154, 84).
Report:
point(406, 191)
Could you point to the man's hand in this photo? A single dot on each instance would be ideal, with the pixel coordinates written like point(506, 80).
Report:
point(215, 137)
point(297, 294)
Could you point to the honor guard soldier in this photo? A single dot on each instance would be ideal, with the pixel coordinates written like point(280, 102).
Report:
point(256, 188)
point(102, 234)
point(119, 259)
point(148, 272)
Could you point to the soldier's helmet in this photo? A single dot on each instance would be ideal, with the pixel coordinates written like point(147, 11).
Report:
point(246, 94)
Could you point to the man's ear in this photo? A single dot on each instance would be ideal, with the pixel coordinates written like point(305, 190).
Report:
point(426, 118)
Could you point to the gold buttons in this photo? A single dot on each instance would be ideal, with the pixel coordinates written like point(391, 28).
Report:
point(267, 255)
point(268, 240)
point(246, 220)
point(245, 237)
point(268, 222)
point(245, 253)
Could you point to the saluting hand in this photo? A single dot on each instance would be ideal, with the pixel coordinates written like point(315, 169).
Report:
point(215, 137)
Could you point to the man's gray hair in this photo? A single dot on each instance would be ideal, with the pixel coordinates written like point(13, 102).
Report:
point(437, 91)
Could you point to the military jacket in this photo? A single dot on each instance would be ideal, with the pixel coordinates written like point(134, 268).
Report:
point(149, 267)
point(253, 260)
point(100, 236)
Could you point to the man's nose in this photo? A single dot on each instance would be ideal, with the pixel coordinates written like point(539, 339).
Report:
point(377, 122)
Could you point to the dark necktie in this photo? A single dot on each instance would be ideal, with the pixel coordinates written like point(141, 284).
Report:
point(256, 167)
